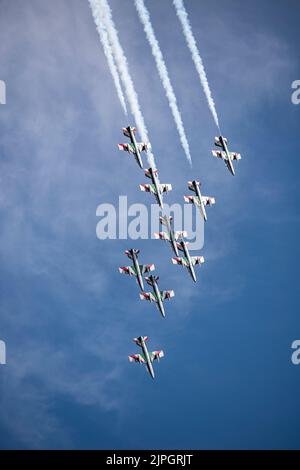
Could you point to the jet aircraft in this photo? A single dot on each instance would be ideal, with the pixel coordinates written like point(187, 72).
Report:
point(227, 156)
point(134, 147)
point(187, 260)
point(156, 187)
point(156, 296)
point(137, 269)
point(199, 200)
point(170, 235)
point(145, 358)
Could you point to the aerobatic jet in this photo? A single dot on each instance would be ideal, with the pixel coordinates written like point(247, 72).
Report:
point(156, 187)
point(156, 296)
point(145, 358)
point(199, 200)
point(187, 260)
point(169, 235)
point(134, 147)
point(227, 156)
point(137, 269)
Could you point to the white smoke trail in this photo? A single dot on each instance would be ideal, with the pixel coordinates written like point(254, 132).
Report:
point(191, 42)
point(163, 74)
point(108, 53)
point(105, 16)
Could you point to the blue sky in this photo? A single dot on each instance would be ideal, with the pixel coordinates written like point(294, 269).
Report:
point(66, 315)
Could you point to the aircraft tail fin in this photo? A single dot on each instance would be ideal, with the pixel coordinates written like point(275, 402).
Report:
point(138, 340)
point(151, 279)
point(179, 246)
point(128, 253)
point(126, 130)
point(180, 234)
point(163, 219)
point(191, 185)
point(148, 172)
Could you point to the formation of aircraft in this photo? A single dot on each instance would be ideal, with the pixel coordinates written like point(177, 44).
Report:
point(175, 238)
point(227, 156)
point(155, 187)
point(199, 200)
point(136, 269)
point(169, 235)
point(187, 260)
point(134, 147)
point(157, 296)
point(146, 358)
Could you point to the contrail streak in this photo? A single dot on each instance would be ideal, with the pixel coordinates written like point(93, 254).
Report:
point(191, 42)
point(163, 74)
point(105, 17)
point(108, 52)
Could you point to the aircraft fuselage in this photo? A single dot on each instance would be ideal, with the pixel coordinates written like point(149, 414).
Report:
point(135, 147)
point(157, 189)
point(172, 237)
point(146, 354)
point(137, 269)
point(198, 194)
point(158, 297)
point(228, 161)
point(188, 257)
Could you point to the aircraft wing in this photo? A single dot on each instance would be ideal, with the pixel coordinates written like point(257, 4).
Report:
point(149, 188)
point(156, 355)
point(197, 260)
point(126, 147)
point(193, 199)
point(146, 268)
point(162, 236)
point(223, 155)
point(164, 188)
point(180, 234)
point(167, 294)
point(235, 156)
point(137, 358)
point(127, 270)
point(148, 296)
point(208, 201)
point(182, 261)
point(142, 146)
point(219, 154)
